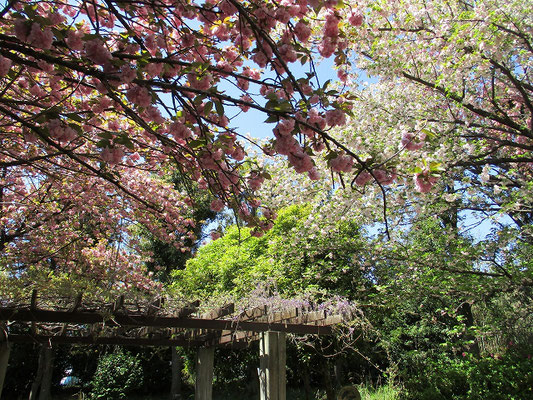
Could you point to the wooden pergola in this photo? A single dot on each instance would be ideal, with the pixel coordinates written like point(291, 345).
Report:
point(156, 325)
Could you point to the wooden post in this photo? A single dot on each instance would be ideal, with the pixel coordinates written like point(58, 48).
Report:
point(175, 388)
point(42, 384)
point(4, 355)
point(204, 373)
point(272, 360)
point(46, 382)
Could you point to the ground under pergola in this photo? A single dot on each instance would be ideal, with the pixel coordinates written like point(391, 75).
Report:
point(153, 324)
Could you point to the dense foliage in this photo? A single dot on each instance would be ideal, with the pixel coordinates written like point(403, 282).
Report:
point(435, 332)
point(117, 376)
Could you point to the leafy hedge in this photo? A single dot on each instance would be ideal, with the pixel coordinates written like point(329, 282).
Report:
point(117, 375)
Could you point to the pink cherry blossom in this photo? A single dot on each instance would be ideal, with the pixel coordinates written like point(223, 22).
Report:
point(5, 66)
point(342, 163)
point(139, 95)
point(74, 40)
point(356, 19)
point(302, 31)
point(217, 205)
point(411, 142)
point(97, 52)
point(39, 37)
point(385, 177)
point(335, 117)
point(331, 28)
point(112, 155)
point(424, 182)
point(363, 178)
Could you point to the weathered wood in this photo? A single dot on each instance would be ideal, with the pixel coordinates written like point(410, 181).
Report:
point(187, 310)
point(74, 307)
point(118, 304)
point(272, 360)
point(253, 314)
point(237, 337)
point(227, 336)
point(175, 387)
point(204, 373)
point(46, 382)
point(143, 320)
point(38, 375)
point(33, 301)
point(4, 355)
point(155, 306)
point(223, 311)
point(115, 340)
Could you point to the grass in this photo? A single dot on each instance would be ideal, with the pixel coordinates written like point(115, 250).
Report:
point(387, 392)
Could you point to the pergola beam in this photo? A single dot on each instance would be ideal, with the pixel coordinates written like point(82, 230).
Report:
point(119, 319)
point(123, 341)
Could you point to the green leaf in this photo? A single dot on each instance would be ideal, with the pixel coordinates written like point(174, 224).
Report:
point(75, 117)
point(76, 127)
point(429, 133)
point(208, 107)
point(103, 143)
point(331, 155)
point(435, 166)
point(105, 134)
point(90, 36)
point(194, 144)
point(220, 108)
point(125, 140)
point(199, 99)
point(272, 119)
point(272, 96)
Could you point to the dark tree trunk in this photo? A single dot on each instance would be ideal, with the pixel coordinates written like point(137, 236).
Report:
point(252, 387)
point(466, 311)
point(4, 355)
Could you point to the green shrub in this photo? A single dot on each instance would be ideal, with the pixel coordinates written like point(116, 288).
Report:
point(508, 376)
point(117, 375)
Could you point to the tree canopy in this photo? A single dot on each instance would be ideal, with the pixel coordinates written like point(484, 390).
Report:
point(101, 99)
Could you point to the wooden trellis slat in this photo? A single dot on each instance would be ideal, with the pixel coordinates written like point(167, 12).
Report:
point(293, 317)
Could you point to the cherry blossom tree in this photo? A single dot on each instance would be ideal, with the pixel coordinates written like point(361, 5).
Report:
point(100, 99)
point(443, 129)
point(451, 111)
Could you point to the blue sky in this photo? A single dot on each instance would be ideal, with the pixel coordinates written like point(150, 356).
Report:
point(253, 121)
